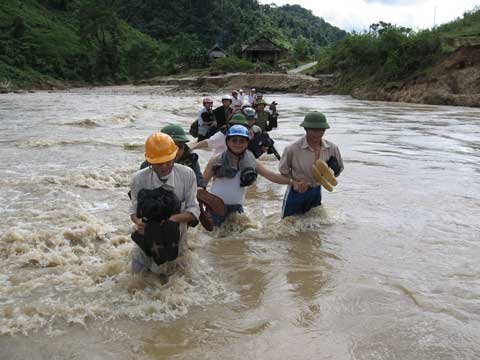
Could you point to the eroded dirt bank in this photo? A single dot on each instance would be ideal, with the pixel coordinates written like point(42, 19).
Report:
point(454, 81)
point(262, 82)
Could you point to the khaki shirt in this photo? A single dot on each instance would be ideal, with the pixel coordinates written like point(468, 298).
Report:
point(298, 158)
point(181, 181)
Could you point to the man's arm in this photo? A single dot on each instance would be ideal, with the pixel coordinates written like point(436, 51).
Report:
point(199, 145)
point(138, 222)
point(285, 168)
point(272, 176)
point(134, 190)
point(208, 172)
point(185, 217)
point(198, 174)
point(285, 164)
point(339, 160)
point(278, 178)
point(191, 211)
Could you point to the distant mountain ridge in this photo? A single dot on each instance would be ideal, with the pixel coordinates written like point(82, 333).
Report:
point(227, 22)
point(46, 42)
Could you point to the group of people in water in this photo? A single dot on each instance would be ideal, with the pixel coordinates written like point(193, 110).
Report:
point(169, 193)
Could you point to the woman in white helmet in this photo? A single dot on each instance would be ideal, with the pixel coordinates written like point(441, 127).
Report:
point(234, 170)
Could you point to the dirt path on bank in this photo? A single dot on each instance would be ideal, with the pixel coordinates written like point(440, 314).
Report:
point(304, 67)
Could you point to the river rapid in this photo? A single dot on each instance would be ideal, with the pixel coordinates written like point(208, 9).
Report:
point(387, 268)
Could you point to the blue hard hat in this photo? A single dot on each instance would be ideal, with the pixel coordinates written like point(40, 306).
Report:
point(237, 130)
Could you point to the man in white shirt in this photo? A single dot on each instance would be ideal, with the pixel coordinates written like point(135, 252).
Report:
point(160, 152)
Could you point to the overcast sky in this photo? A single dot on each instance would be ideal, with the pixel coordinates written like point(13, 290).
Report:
point(359, 14)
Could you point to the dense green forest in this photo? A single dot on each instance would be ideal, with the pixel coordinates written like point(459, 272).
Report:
point(110, 41)
point(388, 52)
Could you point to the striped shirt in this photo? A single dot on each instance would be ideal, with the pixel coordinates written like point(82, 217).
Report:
point(298, 158)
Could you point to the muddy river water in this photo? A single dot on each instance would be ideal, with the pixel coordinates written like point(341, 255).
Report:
point(387, 268)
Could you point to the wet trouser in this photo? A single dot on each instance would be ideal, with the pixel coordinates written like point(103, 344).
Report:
point(219, 220)
point(296, 203)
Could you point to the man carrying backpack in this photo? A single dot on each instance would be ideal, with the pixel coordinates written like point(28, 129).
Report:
point(163, 203)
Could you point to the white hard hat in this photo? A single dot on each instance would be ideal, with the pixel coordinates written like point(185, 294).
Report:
point(227, 97)
point(246, 103)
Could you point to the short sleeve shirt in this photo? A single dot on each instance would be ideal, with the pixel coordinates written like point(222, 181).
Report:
point(217, 142)
point(298, 158)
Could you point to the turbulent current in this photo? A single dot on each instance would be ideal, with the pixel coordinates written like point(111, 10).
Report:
point(387, 268)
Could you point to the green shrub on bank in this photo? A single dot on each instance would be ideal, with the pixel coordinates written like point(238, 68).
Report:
point(386, 52)
point(232, 64)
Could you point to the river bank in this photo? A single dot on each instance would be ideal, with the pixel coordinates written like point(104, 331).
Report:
point(454, 81)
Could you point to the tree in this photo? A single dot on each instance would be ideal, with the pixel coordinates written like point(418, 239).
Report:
point(303, 49)
point(100, 29)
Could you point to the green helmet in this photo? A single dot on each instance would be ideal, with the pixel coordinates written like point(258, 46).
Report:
point(176, 132)
point(238, 119)
point(315, 120)
point(260, 102)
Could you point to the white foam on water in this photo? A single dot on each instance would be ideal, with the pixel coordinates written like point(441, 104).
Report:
point(92, 179)
point(271, 225)
point(134, 146)
point(43, 143)
point(123, 119)
point(82, 274)
point(88, 123)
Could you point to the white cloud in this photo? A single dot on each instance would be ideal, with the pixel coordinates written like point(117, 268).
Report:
point(359, 14)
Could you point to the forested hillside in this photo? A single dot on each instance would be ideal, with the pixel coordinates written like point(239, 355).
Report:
point(110, 41)
point(229, 23)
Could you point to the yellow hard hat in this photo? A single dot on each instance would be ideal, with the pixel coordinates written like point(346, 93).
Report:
point(160, 148)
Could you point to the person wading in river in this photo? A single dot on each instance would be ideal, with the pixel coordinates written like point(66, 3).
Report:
point(223, 113)
point(163, 202)
point(266, 120)
point(234, 170)
point(297, 161)
point(207, 125)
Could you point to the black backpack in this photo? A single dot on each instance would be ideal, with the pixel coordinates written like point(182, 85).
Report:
point(161, 236)
point(194, 129)
point(157, 204)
